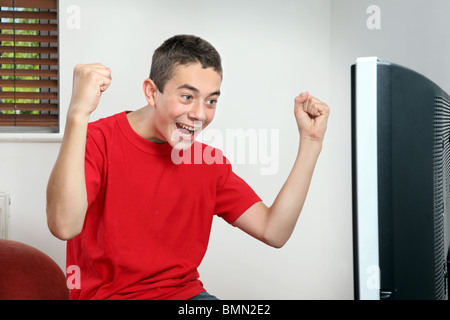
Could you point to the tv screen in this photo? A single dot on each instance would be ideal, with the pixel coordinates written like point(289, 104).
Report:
point(401, 183)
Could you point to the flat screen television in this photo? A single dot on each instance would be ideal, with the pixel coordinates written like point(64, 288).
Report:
point(400, 183)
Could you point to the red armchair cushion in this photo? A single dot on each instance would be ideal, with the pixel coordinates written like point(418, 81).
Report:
point(28, 274)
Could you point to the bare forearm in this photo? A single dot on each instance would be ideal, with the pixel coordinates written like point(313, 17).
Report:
point(275, 225)
point(282, 216)
point(66, 191)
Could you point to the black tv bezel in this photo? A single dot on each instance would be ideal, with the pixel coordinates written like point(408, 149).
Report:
point(403, 254)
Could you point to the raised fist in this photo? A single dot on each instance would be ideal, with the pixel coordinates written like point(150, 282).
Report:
point(89, 82)
point(312, 116)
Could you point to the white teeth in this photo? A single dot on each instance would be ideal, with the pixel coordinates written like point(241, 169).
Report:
point(186, 127)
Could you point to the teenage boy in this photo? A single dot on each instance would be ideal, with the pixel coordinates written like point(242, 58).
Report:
point(137, 223)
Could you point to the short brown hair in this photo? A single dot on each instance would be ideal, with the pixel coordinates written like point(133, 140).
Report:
point(182, 50)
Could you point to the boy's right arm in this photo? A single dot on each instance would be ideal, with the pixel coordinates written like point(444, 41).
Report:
point(66, 191)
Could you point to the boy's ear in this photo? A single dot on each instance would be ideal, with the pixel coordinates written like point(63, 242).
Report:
point(150, 90)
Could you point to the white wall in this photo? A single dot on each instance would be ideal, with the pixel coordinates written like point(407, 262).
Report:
point(271, 52)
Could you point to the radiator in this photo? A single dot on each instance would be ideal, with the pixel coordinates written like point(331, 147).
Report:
point(4, 214)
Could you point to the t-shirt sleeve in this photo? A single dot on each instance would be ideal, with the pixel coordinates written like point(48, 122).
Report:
point(93, 167)
point(234, 196)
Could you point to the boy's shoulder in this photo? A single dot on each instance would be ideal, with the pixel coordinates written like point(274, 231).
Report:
point(105, 126)
point(106, 121)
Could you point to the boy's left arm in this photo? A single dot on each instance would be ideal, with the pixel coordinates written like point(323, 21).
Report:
point(274, 225)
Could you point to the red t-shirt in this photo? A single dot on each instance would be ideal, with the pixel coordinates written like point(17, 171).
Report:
point(148, 222)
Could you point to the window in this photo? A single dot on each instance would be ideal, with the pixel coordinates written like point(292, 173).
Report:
point(29, 66)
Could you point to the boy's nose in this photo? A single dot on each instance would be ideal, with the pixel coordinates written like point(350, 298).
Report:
point(197, 112)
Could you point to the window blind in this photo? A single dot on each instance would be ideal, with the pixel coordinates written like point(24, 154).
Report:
point(29, 63)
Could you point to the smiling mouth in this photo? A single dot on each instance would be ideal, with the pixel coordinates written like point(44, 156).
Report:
point(186, 131)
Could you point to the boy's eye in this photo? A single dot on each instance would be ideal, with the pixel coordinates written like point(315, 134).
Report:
point(212, 102)
point(186, 97)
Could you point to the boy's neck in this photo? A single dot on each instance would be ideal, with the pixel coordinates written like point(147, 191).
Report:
point(141, 121)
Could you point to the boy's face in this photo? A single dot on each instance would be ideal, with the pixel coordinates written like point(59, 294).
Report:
point(187, 105)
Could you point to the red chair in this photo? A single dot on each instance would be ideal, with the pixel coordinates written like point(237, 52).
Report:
point(29, 274)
